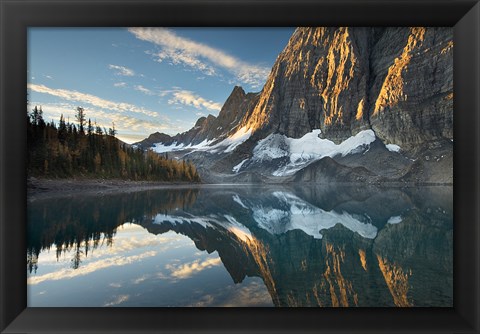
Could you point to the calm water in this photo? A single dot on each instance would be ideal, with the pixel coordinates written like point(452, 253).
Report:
point(244, 246)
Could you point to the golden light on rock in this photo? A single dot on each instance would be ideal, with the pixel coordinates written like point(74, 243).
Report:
point(340, 289)
point(397, 281)
point(392, 89)
point(361, 106)
point(259, 253)
point(363, 259)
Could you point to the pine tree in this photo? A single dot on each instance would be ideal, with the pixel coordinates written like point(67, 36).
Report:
point(66, 151)
point(111, 131)
point(80, 117)
point(90, 128)
point(62, 130)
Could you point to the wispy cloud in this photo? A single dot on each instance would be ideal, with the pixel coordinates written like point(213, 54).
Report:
point(252, 293)
point(120, 84)
point(140, 279)
point(142, 89)
point(177, 57)
point(131, 128)
point(118, 300)
point(189, 269)
point(180, 50)
point(129, 237)
point(128, 118)
point(122, 70)
point(72, 95)
point(191, 99)
point(89, 268)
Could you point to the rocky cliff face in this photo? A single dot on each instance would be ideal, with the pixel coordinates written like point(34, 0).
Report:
point(396, 81)
point(343, 84)
point(412, 88)
point(320, 81)
point(211, 128)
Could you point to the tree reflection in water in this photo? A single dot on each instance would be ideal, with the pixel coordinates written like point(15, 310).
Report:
point(311, 246)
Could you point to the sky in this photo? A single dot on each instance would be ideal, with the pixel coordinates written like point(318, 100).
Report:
point(146, 80)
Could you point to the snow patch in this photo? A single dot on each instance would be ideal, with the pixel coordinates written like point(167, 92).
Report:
point(307, 218)
point(272, 147)
point(236, 139)
point(228, 144)
point(236, 168)
point(307, 149)
point(162, 148)
point(394, 220)
point(240, 230)
point(161, 218)
point(393, 147)
point(237, 199)
point(230, 224)
point(272, 220)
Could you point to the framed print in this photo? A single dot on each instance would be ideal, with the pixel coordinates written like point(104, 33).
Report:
point(240, 166)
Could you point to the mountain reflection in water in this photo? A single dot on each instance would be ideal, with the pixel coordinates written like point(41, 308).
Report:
point(244, 246)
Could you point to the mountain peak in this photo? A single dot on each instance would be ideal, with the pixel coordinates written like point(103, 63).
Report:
point(237, 90)
point(331, 86)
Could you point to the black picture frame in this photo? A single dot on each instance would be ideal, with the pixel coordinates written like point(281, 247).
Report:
point(18, 15)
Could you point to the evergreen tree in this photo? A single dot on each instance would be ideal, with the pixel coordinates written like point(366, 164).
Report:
point(80, 117)
point(66, 151)
point(90, 128)
point(62, 130)
point(111, 131)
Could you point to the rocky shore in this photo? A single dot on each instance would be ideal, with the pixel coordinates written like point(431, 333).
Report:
point(38, 188)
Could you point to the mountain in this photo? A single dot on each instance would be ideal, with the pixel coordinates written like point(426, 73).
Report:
point(210, 129)
point(369, 104)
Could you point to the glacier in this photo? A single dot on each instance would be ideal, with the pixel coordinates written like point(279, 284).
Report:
point(303, 151)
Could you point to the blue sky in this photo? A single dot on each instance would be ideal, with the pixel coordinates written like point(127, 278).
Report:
point(146, 79)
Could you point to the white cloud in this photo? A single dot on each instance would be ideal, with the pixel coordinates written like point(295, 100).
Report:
point(65, 273)
point(189, 269)
point(177, 57)
point(131, 128)
point(120, 84)
point(190, 99)
point(142, 89)
point(122, 70)
point(130, 120)
point(253, 293)
point(72, 95)
point(118, 300)
point(140, 279)
point(180, 50)
point(129, 237)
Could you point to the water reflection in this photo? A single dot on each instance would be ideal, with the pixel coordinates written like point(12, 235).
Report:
point(250, 245)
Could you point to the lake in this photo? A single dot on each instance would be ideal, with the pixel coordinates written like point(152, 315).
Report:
point(244, 245)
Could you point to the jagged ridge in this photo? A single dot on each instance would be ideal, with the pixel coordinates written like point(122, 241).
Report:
point(396, 82)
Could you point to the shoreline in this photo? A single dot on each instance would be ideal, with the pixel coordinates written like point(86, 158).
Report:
point(39, 188)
